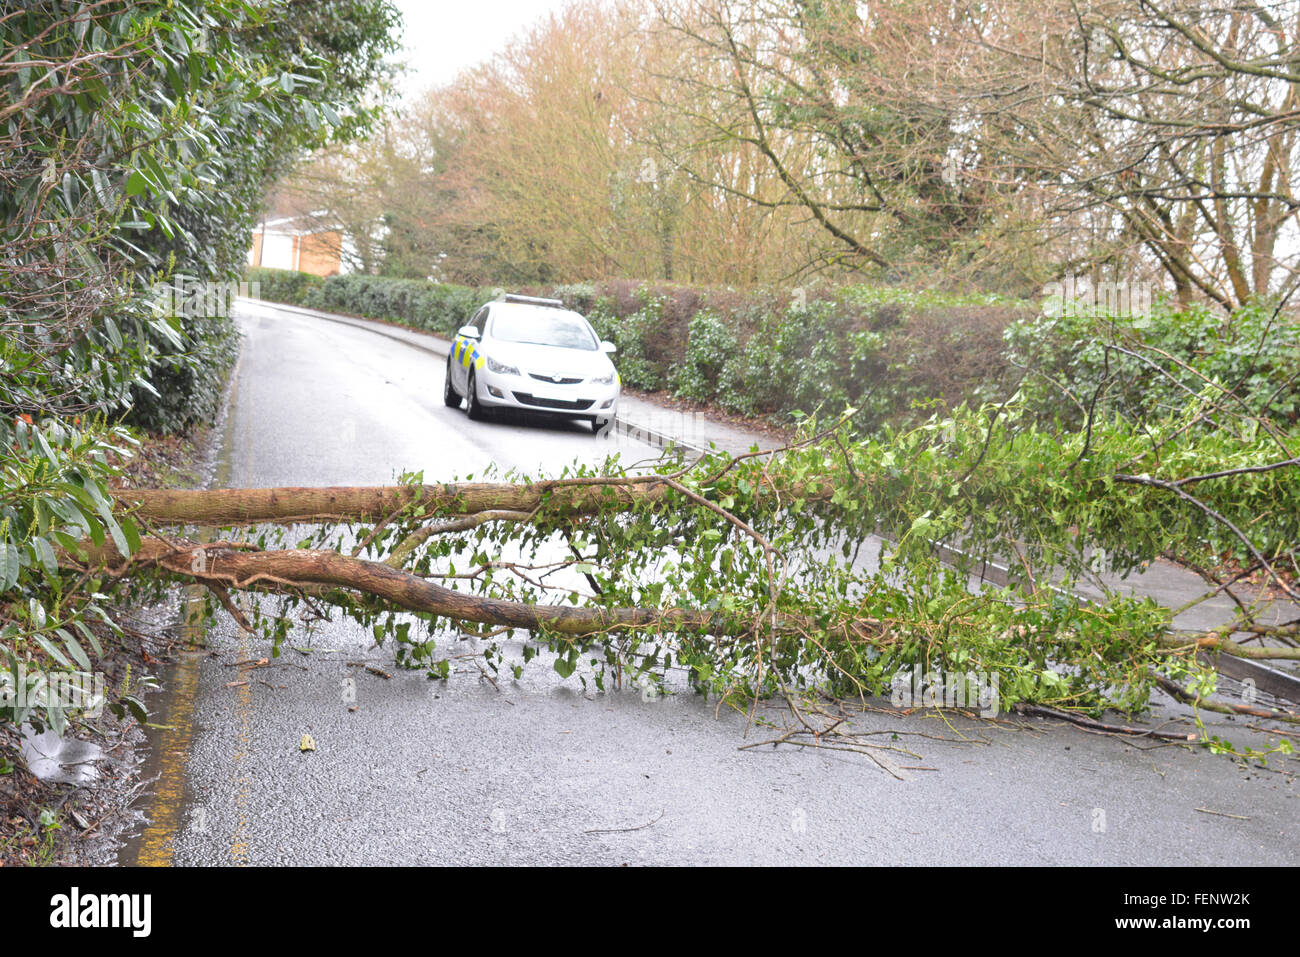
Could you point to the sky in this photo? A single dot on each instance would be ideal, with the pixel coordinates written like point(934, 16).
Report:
point(442, 38)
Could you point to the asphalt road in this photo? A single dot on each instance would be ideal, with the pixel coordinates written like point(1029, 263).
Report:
point(540, 770)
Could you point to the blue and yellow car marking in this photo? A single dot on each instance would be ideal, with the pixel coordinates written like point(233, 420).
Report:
point(465, 351)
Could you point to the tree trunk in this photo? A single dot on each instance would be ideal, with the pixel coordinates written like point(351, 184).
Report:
point(226, 566)
point(374, 503)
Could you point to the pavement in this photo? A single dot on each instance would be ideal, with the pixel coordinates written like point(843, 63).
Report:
point(494, 770)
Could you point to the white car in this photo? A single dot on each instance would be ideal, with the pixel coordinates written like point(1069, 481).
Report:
point(534, 355)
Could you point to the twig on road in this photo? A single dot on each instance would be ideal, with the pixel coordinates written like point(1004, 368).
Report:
point(621, 830)
point(1235, 817)
point(1088, 724)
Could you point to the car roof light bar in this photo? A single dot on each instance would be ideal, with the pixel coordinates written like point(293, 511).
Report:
point(534, 301)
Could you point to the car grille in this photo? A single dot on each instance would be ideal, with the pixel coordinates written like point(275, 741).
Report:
point(575, 405)
point(554, 381)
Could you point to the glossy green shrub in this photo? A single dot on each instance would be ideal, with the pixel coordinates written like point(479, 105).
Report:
point(1149, 366)
point(440, 308)
point(282, 285)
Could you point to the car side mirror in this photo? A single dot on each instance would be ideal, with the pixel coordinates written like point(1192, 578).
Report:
point(469, 332)
point(608, 347)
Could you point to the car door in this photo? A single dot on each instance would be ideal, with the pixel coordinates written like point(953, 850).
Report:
point(459, 370)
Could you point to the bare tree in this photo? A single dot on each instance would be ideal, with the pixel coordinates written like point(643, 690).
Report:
point(1134, 134)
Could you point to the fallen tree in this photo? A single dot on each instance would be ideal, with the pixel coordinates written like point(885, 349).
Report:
point(757, 575)
point(709, 566)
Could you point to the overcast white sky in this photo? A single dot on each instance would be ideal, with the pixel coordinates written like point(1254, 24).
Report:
point(442, 38)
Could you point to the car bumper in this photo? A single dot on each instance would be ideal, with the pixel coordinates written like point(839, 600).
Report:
point(583, 399)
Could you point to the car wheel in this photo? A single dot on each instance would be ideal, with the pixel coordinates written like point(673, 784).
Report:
point(449, 394)
point(598, 424)
point(472, 405)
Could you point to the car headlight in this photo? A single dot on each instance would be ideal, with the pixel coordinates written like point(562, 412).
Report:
point(500, 368)
point(606, 379)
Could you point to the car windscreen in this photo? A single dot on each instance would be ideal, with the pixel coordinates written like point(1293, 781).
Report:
point(544, 329)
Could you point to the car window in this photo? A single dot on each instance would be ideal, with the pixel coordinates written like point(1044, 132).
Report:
point(543, 328)
point(480, 319)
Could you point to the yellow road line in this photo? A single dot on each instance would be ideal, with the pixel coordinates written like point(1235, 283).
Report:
point(243, 711)
point(156, 845)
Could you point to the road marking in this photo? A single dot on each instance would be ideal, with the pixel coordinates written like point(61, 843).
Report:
point(243, 710)
point(167, 803)
point(157, 844)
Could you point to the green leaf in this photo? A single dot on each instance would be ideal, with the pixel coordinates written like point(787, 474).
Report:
point(53, 651)
point(114, 334)
point(8, 565)
point(75, 650)
point(90, 637)
point(136, 707)
point(44, 554)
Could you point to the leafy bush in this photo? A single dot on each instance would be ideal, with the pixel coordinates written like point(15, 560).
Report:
point(709, 346)
point(1155, 365)
point(282, 285)
point(138, 149)
point(829, 353)
point(631, 332)
point(186, 384)
point(439, 308)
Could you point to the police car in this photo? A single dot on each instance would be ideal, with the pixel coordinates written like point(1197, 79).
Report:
point(532, 354)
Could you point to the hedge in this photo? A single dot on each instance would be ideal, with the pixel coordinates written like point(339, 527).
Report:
point(433, 307)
